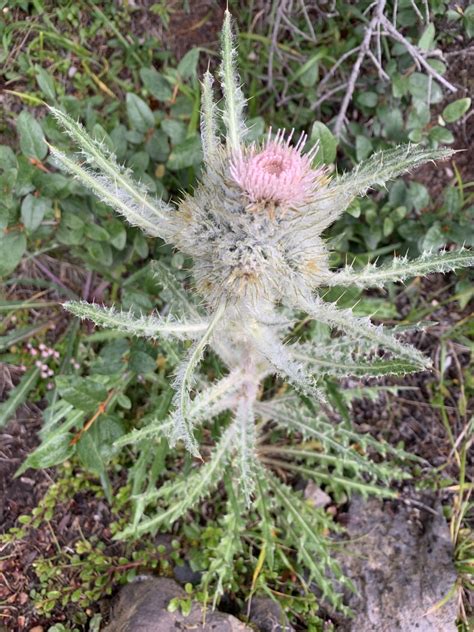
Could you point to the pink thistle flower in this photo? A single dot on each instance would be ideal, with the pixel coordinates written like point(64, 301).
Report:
point(278, 172)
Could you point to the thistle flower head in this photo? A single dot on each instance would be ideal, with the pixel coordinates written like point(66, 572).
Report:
point(278, 172)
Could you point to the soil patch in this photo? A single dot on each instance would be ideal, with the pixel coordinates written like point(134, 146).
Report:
point(197, 25)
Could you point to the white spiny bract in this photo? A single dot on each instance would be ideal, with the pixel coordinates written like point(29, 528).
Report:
point(253, 228)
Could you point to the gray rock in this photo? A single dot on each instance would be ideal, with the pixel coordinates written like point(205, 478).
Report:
point(184, 574)
point(142, 607)
point(400, 558)
point(316, 496)
point(268, 616)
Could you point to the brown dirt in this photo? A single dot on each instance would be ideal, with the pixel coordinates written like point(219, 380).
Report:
point(83, 512)
point(198, 26)
point(409, 416)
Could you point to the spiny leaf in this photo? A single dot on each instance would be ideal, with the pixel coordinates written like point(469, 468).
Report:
point(326, 365)
point(384, 166)
point(233, 522)
point(301, 521)
point(184, 492)
point(127, 323)
point(291, 414)
point(152, 211)
point(234, 101)
point(280, 357)
point(184, 380)
point(352, 326)
point(401, 268)
point(245, 453)
point(182, 300)
point(209, 402)
point(376, 171)
point(107, 190)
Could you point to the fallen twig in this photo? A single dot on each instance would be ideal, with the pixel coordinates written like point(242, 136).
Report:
point(364, 47)
point(416, 54)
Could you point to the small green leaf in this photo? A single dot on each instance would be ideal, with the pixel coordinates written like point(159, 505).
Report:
point(398, 193)
point(186, 606)
point(99, 134)
point(456, 109)
point(117, 233)
point(186, 154)
point(138, 163)
point(101, 252)
point(71, 230)
point(32, 142)
point(464, 292)
point(452, 199)
point(418, 195)
point(33, 210)
point(388, 226)
point(422, 86)
point(139, 114)
point(12, 248)
point(363, 147)
point(96, 232)
point(46, 83)
point(393, 123)
point(327, 143)
point(56, 449)
point(425, 42)
point(84, 393)
point(7, 158)
point(187, 67)
point(399, 85)
point(156, 84)
point(419, 115)
point(367, 99)
point(175, 130)
point(91, 459)
point(434, 238)
point(141, 362)
point(468, 20)
point(309, 72)
point(173, 604)
point(157, 146)
point(441, 135)
point(415, 135)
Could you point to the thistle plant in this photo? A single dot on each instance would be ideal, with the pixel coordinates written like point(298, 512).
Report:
point(253, 227)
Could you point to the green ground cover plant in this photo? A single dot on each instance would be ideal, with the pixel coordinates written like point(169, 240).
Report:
point(123, 383)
